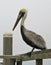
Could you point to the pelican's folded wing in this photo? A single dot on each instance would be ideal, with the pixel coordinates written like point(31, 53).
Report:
point(36, 39)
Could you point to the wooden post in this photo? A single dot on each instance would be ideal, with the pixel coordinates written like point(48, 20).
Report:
point(39, 62)
point(19, 62)
point(7, 48)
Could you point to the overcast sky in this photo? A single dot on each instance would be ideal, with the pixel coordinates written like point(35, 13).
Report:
point(38, 20)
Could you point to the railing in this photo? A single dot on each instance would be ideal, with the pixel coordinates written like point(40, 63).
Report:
point(10, 59)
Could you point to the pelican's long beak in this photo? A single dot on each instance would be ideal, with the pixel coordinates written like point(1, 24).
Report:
point(18, 19)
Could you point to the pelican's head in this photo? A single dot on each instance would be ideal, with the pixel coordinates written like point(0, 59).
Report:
point(22, 14)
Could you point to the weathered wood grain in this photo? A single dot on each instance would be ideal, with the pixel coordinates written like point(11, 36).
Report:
point(35, 55)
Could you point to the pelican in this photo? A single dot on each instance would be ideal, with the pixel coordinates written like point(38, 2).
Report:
point(31, 38)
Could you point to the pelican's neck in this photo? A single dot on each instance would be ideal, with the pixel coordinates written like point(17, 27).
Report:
point(22, 22)
point(23, 19)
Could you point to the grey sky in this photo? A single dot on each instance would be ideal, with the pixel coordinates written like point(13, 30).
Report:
point(38, 20)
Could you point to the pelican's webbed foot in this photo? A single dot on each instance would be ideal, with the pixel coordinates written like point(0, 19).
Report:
point(29, 53)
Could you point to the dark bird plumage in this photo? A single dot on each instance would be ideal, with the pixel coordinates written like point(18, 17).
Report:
point(31, 38)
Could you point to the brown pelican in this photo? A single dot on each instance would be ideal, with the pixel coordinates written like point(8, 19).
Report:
point(31, 38)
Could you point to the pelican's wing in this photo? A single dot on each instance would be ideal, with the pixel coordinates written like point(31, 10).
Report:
point(35, 38)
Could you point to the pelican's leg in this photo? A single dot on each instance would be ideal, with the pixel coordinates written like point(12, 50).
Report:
point(29, 53)
point(32, 50)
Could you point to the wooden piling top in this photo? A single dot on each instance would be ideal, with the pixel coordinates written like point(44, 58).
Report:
point(7, 35)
